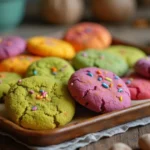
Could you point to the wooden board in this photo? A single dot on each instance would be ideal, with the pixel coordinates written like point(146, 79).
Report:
point(84, 121)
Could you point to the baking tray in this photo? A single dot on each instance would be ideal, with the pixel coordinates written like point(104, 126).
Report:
point(84, 121)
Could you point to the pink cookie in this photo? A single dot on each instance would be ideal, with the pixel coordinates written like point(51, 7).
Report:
point(142, 67)
point(139, 87)
point(11, 46)
point(99, 90)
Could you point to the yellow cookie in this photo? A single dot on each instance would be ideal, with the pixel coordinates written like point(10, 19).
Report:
point(18, 64)
point(46, 46)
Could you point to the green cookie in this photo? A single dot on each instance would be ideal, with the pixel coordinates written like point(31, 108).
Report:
point(39, 103)
point(53, 67)
point(130, 54)
point(101, 59)
point(6, 80)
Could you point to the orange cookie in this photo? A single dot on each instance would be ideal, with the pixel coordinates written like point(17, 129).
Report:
point(88, 35)
point(46, 46)
point(18, 64)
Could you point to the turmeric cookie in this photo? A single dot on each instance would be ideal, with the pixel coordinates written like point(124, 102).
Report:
point(88, 35)
point(17, 64)
point(46, 46)
point(11, 46)
point(39, 103)
point(7, 79)
point(99, 90)
point(100, 59)
point(53, 67)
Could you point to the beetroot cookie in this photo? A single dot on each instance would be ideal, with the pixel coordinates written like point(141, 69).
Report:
point(99, 90)
point(139, 87)
point(88, 35)
point(142, 67)
point(11, 46)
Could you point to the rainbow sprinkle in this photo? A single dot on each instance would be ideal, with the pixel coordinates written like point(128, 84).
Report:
point(100, 79)
point(35, 72)
point(110, 85)
point(19, 81)
point(84, 54)
point(105, 85)
point(31, 92)
point(98, 72)
point(120, 90)
point(34, 108)
point(119, 85)
point(128, 82)
point(116, 77)
point(120, 98)
point(41, 91)
point(108, 79)
point(90, 74)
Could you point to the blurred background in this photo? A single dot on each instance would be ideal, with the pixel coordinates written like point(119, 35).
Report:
point(52, 17)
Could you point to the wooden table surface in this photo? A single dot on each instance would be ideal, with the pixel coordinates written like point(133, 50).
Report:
point(130, 137)
point(125, 32)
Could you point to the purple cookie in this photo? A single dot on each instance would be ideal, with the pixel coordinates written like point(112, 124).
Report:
point(142, 67)
point(99, 90)
point(11, 46)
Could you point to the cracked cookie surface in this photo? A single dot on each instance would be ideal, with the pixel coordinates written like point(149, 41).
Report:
point(53, 67)
point(7, 79)
point(138, 86)
point(99, 90)
point(142, 67)
point(130, 54)
point(101, 59)
point(39, 103)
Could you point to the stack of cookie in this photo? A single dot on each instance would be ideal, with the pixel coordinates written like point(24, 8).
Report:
point(41, 78)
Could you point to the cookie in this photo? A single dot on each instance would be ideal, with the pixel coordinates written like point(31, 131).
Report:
point(52, 67)
point(11, 46)
point(17, 64)
point(139, 87)
point(101, 59)
point(142, 67)
point(130, 54)
point(6, 80)
point(88, 35)
point(99, 90)
point(39, 103)
point(46, 46)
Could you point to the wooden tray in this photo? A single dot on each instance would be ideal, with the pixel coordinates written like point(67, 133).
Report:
point(84, 121)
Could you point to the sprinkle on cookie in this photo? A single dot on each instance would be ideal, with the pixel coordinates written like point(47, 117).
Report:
point(105, 85)
point(34, 108)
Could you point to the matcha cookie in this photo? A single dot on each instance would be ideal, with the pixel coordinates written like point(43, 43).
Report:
point(39, 103)
point(53, 67)
point(101, 59)
point(130, 54)
point(6, 80)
